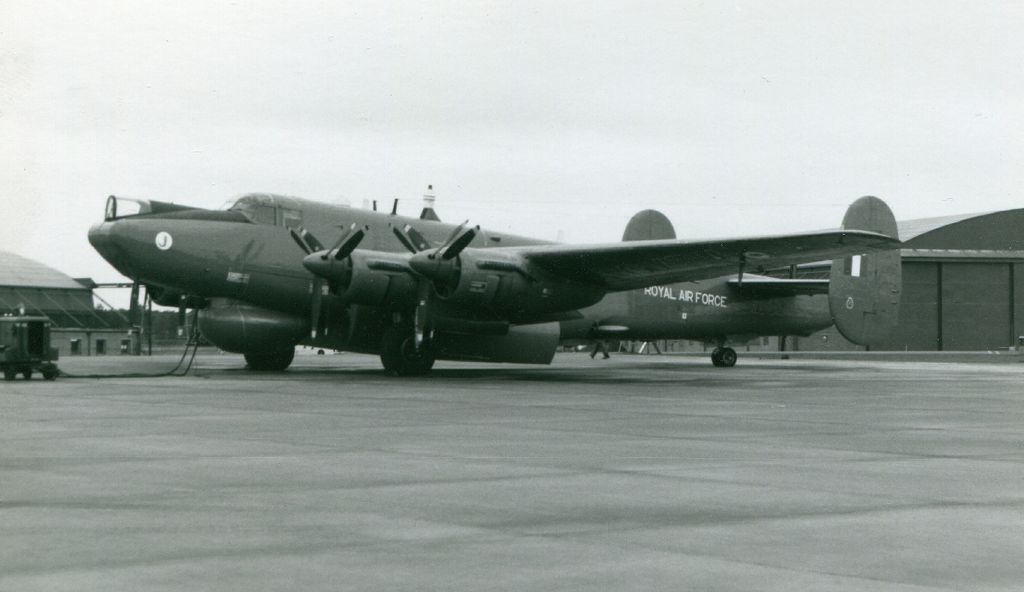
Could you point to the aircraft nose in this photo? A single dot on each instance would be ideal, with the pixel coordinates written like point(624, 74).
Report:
point(101, 238)
point(109, 241)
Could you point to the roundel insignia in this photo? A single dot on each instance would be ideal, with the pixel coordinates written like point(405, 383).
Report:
point(164, 241)
point(849, 303)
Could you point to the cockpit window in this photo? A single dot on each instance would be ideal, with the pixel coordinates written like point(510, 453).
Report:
point(263, 209)
point(291, 218)
point(122, 207)
point(263, 214)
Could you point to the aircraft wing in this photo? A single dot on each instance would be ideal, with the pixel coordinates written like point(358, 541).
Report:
point(639, 264)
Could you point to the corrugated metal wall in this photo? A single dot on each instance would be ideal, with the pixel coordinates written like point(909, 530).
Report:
point(950, 306)
point(959, 306)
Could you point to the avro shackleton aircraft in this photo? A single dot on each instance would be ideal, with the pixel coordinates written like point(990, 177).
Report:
point(414, 290)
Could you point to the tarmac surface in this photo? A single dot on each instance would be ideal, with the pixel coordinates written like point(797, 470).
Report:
point(635, 473)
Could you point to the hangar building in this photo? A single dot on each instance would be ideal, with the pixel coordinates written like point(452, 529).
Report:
point(963, 286)
point(78, 327)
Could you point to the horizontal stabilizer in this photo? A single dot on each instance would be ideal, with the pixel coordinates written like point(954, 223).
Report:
point(771, 287)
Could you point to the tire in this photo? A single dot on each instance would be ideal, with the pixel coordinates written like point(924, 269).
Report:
point(10, 373)
point(728, 357)
point(399, 356)
point(270, 361)
point(716, 357)
point(26, 373)
point(50, 373)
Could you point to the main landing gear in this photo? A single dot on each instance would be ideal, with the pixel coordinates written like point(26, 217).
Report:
point(723, 357)
point(399, 354)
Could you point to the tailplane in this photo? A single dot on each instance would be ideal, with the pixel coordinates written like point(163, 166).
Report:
point(864, 290)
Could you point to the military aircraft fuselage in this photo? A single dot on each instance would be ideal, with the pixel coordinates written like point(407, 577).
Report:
point(706, 310)
point(224, 254)
point(266, 277)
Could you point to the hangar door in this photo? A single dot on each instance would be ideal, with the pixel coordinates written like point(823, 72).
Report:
point(918, 325)
point(975, 306)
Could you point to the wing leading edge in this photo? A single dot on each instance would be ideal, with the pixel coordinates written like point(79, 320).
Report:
point(639, 264)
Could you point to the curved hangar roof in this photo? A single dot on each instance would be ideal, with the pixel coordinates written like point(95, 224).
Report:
point(21, 272)
point(42, 290)
point(992, 231)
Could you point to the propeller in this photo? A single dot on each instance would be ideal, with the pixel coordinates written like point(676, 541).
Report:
point(437, 266)
point(441, 264)
point(320, 262)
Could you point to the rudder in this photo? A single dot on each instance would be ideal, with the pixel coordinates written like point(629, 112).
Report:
point(864, 290)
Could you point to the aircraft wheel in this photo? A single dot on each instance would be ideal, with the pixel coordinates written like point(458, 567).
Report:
point(399, 356)
point(270, 361)
point(50, 373)
point(10, 373)
point(716, 357)
point(727, 357)
point(26, 373)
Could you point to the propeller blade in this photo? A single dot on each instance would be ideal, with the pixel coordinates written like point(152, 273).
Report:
point(410, 238)
point(341, 239)
point(421, 314)
point(451, 236)
point(310, 240)
point(298, 240)
point(421, 243)
point(314, 313)
point(406, 242)
point(349, 243)
point(459, 243)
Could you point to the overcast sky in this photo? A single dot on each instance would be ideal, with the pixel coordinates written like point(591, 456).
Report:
point(528, 117)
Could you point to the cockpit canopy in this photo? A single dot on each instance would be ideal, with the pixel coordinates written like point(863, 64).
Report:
point(124, 207)
point(268, 209)
point(257, 208)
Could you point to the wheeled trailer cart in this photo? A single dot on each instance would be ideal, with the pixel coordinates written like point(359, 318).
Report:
point(25, 347)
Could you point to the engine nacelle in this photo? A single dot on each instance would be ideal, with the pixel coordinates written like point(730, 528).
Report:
point(242, 328)
point(506, 287)
point(376, 278)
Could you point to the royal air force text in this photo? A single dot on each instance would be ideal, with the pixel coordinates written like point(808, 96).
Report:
point(691, 296)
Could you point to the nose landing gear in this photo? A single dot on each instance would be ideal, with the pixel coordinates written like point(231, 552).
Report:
point(723, 357)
